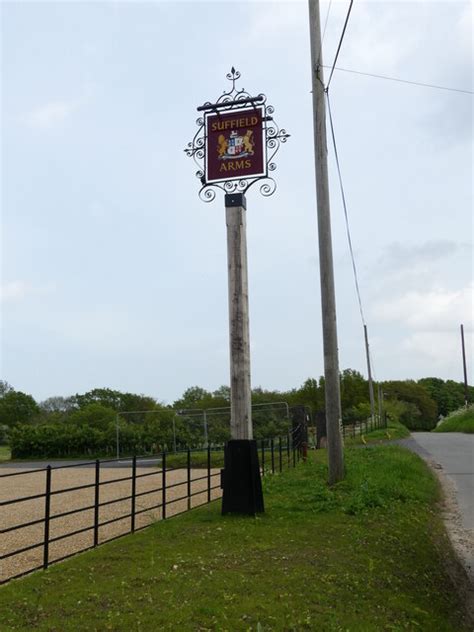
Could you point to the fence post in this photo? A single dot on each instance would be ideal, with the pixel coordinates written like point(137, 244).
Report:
point(273, 455)
point(134, 492)
point(208, 473)
point(188, 466)
point(47, 512)
point(96, 502)
point(263, 457)
point(163, 485)
point(288, 448)
point(279, 454)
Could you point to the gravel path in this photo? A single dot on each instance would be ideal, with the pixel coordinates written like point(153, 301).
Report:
point(149, 479)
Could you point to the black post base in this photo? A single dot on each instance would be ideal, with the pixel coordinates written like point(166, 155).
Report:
point(241, 478)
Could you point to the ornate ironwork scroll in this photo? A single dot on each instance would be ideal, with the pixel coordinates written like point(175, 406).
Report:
point(234, 99)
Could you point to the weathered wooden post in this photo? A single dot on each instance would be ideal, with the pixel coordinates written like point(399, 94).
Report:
point(233, 148)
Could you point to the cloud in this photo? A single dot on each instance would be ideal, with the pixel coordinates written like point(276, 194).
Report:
point(429, 310)
point(442, 350)
point(13, 291)
point(50, 115)
point(398, 254)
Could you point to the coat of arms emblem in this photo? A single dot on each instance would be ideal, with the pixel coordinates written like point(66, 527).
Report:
point(235, 145)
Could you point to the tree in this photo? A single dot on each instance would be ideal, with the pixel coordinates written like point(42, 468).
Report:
point(58, 404)
point(17, 408)
point(193, 397)
point(422, 414)
point(311, 394)
point(223, 392)
point(94, 415)
point(5, 388)
point(354, 389)
point(448, 395)
point(118, 401)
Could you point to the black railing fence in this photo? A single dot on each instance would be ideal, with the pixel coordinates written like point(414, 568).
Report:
point(364, 427)
point(67, 509)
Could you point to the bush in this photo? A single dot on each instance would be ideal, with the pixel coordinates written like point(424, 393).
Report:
point(461, 420)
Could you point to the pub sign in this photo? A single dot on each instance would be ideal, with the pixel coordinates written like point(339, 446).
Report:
point(235, 145)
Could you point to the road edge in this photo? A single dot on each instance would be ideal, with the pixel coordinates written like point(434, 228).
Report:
point(460, 572)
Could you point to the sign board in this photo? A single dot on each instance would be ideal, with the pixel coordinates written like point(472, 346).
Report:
point(235, 145)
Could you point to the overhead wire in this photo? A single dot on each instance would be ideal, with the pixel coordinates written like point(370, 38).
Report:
point(340, 44)
point(324, 30)
point(398, 80)
point(344, 204)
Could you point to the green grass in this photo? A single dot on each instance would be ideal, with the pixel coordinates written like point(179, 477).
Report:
point(461, 420)
point(366, 555)
point(5, 454)
point(198, 459)
point(394, 430)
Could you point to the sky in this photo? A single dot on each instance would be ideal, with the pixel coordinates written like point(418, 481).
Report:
point(114, 272)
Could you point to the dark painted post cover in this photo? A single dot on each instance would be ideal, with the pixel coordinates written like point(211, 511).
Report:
point(241, 478)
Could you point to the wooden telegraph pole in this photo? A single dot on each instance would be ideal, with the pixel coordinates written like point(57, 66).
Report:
point(328, 298)
point(466, 391)
point(369, 371)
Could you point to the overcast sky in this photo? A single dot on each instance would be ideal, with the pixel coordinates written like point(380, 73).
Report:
point(114, 273)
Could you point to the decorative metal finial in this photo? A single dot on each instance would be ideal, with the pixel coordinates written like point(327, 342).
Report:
point(233, 76)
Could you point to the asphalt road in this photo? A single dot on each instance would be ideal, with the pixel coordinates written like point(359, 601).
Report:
point(454, 451)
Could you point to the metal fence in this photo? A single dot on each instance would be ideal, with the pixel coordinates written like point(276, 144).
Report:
point(364, 427)
point(118, 496)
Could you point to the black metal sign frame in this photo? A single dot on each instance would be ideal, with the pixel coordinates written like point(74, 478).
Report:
point(231, 100)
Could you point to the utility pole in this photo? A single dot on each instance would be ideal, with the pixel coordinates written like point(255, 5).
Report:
point(328, 297)
point(380, 402)
point(466, 392)
point(369, 371)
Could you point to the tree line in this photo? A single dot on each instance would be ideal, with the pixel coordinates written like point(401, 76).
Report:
point(87, 424)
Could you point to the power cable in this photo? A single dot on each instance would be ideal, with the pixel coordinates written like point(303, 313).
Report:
point(340, 44)
point(413, 83)
point(324, 30)
point(348, 231)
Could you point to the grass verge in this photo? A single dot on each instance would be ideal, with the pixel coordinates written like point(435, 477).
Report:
point(394, 430)
point(5, 453)
point(461, 420)
point(364, 555)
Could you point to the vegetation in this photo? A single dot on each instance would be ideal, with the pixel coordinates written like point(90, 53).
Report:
point(4, 453)
point(461, 420)
point(85, 425)
point(394, 430)
point(367, 554)
point(448, 395)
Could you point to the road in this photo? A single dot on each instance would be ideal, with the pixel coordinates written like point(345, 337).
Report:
point(454, 451)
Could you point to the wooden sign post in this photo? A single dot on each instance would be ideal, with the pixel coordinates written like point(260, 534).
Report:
point(231, 150)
